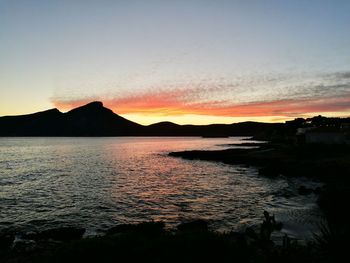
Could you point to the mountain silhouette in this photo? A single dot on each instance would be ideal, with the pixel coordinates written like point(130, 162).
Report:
point(93, 119)
point(89, 120)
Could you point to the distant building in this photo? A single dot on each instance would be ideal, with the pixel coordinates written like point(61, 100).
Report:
point(320, 130)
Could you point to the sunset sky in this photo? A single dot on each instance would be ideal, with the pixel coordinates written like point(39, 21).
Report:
point(182, 61)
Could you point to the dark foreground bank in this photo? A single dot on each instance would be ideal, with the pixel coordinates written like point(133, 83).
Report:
point(150, 242)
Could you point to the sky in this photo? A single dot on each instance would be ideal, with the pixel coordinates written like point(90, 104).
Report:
point(184, 61)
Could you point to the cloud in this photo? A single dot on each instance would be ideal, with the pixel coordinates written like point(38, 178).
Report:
point(344, 75)
point(272, 96)
point(174, 103)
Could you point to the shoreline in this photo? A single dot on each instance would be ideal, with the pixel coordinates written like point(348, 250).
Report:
point(328, 163)
point(189, 242)
point(272, 159)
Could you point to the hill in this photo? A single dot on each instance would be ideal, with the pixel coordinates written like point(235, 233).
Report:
point(94, 119)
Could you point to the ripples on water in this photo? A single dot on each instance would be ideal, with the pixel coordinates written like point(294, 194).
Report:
point(98, 182)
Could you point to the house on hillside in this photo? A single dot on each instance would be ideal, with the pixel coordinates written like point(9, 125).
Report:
point(321, 130)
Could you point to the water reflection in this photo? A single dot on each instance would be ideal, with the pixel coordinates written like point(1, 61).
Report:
point(97, 182)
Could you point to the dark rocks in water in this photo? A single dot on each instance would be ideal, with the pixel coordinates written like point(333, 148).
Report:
point(59, 234)
point(309, 161)
point(268, 226)
point(278, 226)
point(148, 228)
point(6, 241)
point(121, 229)
point(250, 232)
point(270, 171)
point(135, 243)
point(304, 190)
point(24, 245)
point(193, 226)
point(238, 238)
point(318, 190)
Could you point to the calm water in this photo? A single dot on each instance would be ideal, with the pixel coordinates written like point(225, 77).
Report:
point(98, 182)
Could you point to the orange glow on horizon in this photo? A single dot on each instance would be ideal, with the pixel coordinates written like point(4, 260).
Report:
point(198, 119)
point(177, 107)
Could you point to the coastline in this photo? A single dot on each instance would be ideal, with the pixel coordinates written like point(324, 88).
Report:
point(328, 163)
point(150, 242)
point(272, 159)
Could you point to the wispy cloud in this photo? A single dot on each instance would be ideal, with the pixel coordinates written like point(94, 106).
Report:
point(169, 103)
point(248, 98)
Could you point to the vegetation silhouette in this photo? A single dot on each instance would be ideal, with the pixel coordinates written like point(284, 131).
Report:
point(151, 242)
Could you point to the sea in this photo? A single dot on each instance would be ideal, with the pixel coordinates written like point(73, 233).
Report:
point(97, 183)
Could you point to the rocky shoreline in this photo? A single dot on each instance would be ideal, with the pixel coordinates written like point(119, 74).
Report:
point(194, 241)
point(328, 163)
point(151, 242)
point(273, 159)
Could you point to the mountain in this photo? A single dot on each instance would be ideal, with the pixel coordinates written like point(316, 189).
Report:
point(94, 119)
point(90, 120)
point(211, 130)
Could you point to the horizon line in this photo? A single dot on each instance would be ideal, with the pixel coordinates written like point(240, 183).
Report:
point(166, 121)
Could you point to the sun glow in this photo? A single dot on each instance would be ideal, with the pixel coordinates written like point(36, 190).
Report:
point(174, 107)
point(194, 119)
